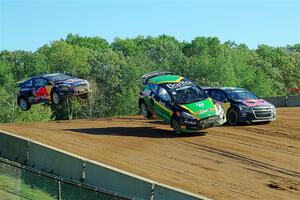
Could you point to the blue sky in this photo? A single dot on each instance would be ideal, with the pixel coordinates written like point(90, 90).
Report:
point(28, 25)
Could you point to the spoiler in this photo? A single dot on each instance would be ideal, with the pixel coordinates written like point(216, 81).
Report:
point(19, 84)
point(147, 76)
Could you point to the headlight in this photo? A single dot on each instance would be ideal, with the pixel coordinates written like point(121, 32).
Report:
point(273, 109)
point(245, 109)
point(187, 115)
point(65, 86)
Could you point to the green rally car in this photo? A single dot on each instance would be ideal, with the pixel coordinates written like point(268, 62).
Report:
point(178, 101)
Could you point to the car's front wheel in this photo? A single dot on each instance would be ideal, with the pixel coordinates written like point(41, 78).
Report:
point(232, 117)
point(55, 98)
point(175, 123)
point(24, 105)
point(144, 110)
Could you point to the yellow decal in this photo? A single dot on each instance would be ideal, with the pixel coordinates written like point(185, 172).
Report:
point(213, 105)
point(49, 88)
point(226, 106)
point(176, 81)
point(192, 112)
point(164, 107)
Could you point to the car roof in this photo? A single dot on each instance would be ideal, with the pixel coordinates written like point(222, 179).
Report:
point(45, 75)
point(222, 88)
point(169, 78)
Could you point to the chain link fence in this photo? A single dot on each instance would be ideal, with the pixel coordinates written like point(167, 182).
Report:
point(18, 182)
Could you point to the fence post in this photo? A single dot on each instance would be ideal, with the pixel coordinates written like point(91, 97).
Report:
point(152, 191)
point(59, 191)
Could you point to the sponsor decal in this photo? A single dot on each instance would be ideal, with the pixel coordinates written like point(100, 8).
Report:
point(41, 93)
point(255, 102)
point(200, 104)
point(180, 84)
point(201, 112)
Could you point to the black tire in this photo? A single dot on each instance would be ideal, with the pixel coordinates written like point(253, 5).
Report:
point(144, 110)
point(55, 98)
point(175, 124)
point(232, 117)
point(24, 104)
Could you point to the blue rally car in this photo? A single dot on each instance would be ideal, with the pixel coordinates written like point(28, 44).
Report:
point(50, 89)
point(242, 106)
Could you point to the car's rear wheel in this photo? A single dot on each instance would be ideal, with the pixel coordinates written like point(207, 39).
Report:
point(144, 110)
point(232, 117)
point(175, 123)
point(24, 105)
point(55, 98)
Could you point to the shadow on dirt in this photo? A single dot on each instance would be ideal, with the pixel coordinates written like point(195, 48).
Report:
point(158, 122)
point(149, 132)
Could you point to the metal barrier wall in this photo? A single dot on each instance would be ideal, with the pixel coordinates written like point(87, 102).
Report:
point(82, 170)
point(22, 182)
point(284, 101)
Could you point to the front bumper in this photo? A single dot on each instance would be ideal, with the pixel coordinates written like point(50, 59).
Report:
point(258, 114)
point(212, 121)
point(74, 92)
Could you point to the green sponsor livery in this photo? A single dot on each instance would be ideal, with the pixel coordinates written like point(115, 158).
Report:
point(202, 109)
point(165, 79)
point(178, 101)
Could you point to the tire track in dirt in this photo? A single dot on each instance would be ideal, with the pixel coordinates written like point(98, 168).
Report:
point(243, 159)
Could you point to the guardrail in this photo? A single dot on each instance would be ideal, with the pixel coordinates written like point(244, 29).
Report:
point(73, 167)
point(284, 101)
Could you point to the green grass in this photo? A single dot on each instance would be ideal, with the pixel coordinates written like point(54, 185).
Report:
point(18, 186)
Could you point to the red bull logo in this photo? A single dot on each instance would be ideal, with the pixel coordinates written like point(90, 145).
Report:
point(41, 93)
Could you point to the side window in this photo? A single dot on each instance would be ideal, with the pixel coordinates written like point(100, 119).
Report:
point(40, 82)
point(28, 83)
point(153, 87)
point(218, 95)
point(163, 94)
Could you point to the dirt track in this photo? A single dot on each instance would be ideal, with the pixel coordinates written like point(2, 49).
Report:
point(243, 162)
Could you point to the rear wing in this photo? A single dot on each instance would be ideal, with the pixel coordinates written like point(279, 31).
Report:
point(147, 76)
point(19, 84)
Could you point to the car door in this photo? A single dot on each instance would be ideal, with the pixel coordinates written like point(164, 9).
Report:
point(27, 90)
point(40, 91)
point(219, 95)
point(162, 104)
point(151, 97)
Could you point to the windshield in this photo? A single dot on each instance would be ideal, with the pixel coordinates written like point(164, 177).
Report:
point(188, 94)
point(240, 94)
point(57, 77)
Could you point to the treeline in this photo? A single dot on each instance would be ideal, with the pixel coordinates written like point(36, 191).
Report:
point(114, 71)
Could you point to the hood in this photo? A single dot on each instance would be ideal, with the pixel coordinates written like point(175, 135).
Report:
point(255, 102)
point(201, 109)
point(73, 81)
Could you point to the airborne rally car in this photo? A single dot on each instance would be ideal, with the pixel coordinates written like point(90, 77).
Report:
point(178, 101)
point(50, 89)
point(242, 106)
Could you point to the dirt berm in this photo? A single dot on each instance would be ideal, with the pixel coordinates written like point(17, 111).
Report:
point(244, 162)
